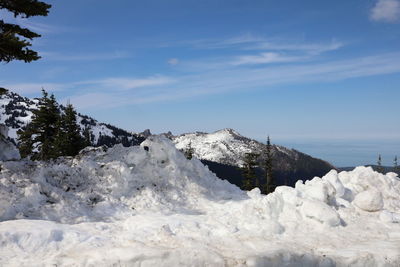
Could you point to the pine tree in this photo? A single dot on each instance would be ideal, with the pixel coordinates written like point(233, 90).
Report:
point(68, 140)
point(269, 186)
point(189, 151)
point(379, 167)
point(395, 165)
point(38, 138)
point(14, 44)
point(87, 136)
point(250, 179)
point(25, 140)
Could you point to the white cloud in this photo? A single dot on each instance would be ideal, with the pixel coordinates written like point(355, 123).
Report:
point(310, 48)
point(236, 79)
point(84, 57)
point(129, 83)
point(95, 100)
point(264, 58)
point(31, 24)
point(173, 61)
point(251, 42)
point(386, 11)
point(33, 88)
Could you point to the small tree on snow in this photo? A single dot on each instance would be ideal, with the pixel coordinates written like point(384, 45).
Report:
point(189, 151)
point(250, 179)
point(379, 163)
point(268, 165)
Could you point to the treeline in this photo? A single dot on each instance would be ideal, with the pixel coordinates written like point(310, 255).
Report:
point(52, 132)
point(381, 169)
point(251, 180)
point(250, 169)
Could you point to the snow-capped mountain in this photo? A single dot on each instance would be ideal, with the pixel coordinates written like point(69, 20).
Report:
point(16, 112)
point(221, 150)
point(229, 147)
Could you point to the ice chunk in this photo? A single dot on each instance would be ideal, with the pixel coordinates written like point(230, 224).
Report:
point(369, 200)
point(320, 211)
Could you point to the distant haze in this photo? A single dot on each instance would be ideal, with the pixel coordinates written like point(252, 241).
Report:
point(345, 153)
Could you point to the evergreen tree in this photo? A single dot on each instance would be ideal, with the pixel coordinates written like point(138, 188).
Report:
point(379, 167)
point(87, 136)
point(395, 165)
point(25, 140)
point(68, 141)
point(14, 44)
point(38, 138)
point(250, 179)
point(269, 185)
point(189, 151)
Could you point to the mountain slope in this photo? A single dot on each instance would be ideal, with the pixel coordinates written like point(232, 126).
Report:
point(221, 151)
point(228, 148)
point(16, 112)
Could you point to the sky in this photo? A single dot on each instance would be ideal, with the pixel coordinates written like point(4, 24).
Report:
point(319, 76)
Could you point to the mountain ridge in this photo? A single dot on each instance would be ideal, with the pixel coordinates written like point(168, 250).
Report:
point(16, 111)
point(222, 151)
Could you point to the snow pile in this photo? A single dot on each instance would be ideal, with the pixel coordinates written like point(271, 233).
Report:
point(7, 149)
point(149, 205)
point(101, 183)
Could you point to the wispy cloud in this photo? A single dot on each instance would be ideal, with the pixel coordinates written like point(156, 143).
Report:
point(34, 88)
point(254, 50)
point(129, 83)
point(30, 23)
point(311, 48)
point(386, 11)
point(236, 79)
point(251, 42)
point(39, 27)
point(265, 58)
point(84, 57)
point(173, 61)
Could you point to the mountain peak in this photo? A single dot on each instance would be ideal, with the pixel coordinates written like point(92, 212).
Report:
point(229, 131)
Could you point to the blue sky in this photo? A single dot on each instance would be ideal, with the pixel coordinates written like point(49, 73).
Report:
point(305, 72)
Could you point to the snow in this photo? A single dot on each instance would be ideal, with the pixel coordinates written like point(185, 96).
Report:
point(224, 146)
point(7, 149)
point(150, 206)
point(369, 200)
point(29, 105)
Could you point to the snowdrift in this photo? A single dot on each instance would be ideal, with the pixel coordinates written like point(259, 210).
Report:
point(7, 149)
point(150, 206)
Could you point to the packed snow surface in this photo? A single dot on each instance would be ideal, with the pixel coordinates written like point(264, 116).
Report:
point(150, 206)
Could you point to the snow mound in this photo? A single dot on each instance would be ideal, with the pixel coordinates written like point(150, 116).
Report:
point(101, 184)
point(7, 149)
point(149, 205)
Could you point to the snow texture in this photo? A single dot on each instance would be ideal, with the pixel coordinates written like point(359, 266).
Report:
point(7, 149)
point(150, 206)
point(223, 146)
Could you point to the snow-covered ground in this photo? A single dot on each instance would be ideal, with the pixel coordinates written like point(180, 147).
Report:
point(150, 206)
point(7, 149)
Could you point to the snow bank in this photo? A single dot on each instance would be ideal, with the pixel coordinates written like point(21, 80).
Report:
point(7, 149)
point(149, 205)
